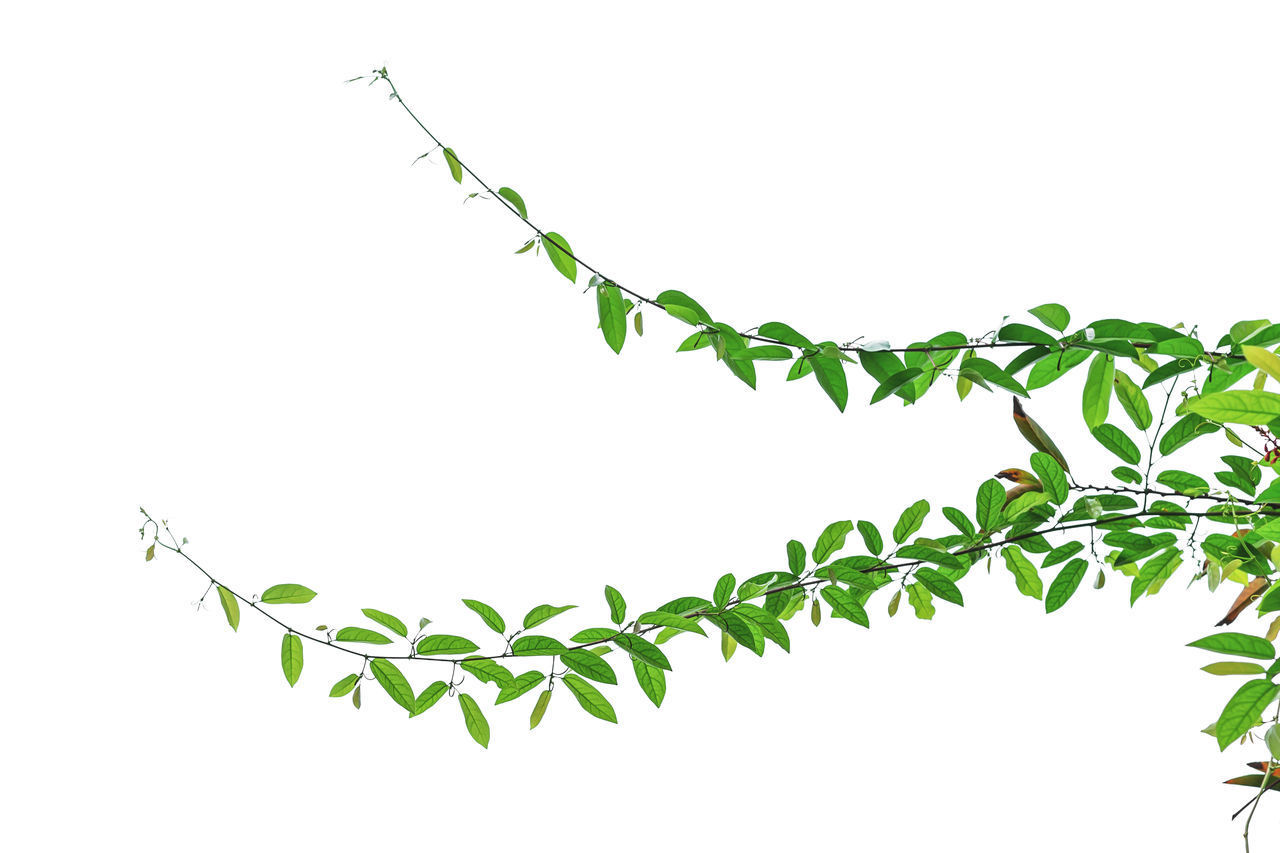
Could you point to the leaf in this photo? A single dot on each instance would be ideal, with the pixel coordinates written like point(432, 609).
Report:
point(230, 606)
point(445, 644)
point(386, 620)
point(669, 620)
point(641, 648)
point(1256, 408)
point(1240, 645)
point(523, 683)
point(1022, 333)
point(830, 375)
point(674, 298)
point(990, 504)
point(455, 168)
point(782, 333)
point(1267, 362)
point(488, 671)
point(560, 255)
point(591, 699)
point(429, 696)
point(1097, 390)
point(542, 613)
point(921, 600)
point(1244, 710)
point(1184, 431)
point(355, 697)
point(639, 324)
point(291, 658)
point(539, 708)
point(532, 645)
point(993, 374)
point(490, 616)
point(1051, 476)
point(910, 520)
point(287, 593)
point(1181, 481)
point(590, 665)
point(1052, 315)
point(1024, 572)
point(1126, 474)
point(939, 585)
point(796, 557)
point(895, 383)
point(845, 606)
point(1065, 584)
point(1113, 439)
point(1049, 370)
point(394, 682)
point(477, 725)
point(613, 316)
point(652, 680)
point(871, 537)
point(1234, 667)
point(617, 605)
point(345, 685)
point(360, 635)
point(516, 201)
point(831, 540)
point(1132, 400)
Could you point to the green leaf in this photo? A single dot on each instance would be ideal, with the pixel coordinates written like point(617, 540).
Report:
point(831, 540)
point(939, 585)
point(994, 374)
point(1126, 474)
point(516, 201)
point(455, 168)
point(523, 683)
point(613, 316)
point(871, 537)
point(669, 620)
point(1052, 315)
point(360, 635)
point(830, 375)
point(429, 696)
point(845, 606)
point(1065, 584)
point(490, 616)
point(1256, 408)
point(921, 600)
point(990, 504)
point(590, 665)
point(910, 520)
point(445, 644)
point(539, 708)
point(1051, 476)
point(287, 593)
point(1024, 572)
point(532, 645)
point(591, 699)
point(1132, 400)
point(1062, 552)
point(477, 725)
point(1022, 333)
point(394, 682)
point(641, 648)
point(895, 383)
point(1267, 362)
point(542, 613)
point(1184, 431)
point(652, 680)
point(617, 605)
point(960, 520)
point(1240, 645)
point(796, 557)
point(345, 685)
point(386, 620)
point(674, 298)
point(1232, 667)
point(1170, 370)
point(1114, 439)
point(230, 606)
point(488, 671)
point(560, 255)
point(1097, 390)
point(291, 658)
point(782, 333)
point(724, 590)
point(1181, 481)
point(594, 635)
point(1049, 370)
point(1244, 710)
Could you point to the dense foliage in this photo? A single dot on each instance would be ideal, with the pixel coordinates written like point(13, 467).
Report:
point(1168, 385)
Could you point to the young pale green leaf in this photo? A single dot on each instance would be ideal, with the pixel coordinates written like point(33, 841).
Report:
point(591, 699)
point(639, 324)
point(1065, 584)
point(516, 201)
point(1051, 476)
point(1233, 667)
point(1113, 439)
point(1266, 361)
point(1256, 408)
point(617, 605)
point(940, 585)
point(360, 635)
point(490, 616)
point(1052, 315)
point(445, 644)
point(345, 685)
point(1024, 572)
point(589, 665)
point(560, 255)
point(429, 696)
point(542, 613)
point(1097, 390)
point(1244, 710)
point(387, 621)
point(539, 709)
point(287, 593)
point(394, 682)
point(230, 607)
point(831, 540)
point(910, 520)
point(1132, 400)
point(455, 168)
point(477, 725)
point(652, 680)
point(613, 316)
point(1239, 645)
point(921, 600)
point(291, 658)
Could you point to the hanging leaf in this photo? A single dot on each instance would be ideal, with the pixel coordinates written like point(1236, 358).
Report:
point(940, 585)
point(1065, 584)
point(344, 685)
point(641, 648)
point(613, 315)
point(617, 605)
point(589, 665)
point(1114, 439)
point(652, 680)
point(1097, 390)
point(429, 697)
point(539, 709)
point(560, 255)
point(523, 683)
point(477, 725)
point(1024, 572)
point(1244, 710)
point(1184, 431)
point(1132, 400)
point(291, 658)
point(591, 699)
point(394, 682)
point(230, 607)
point(455, 168)
point(516, 201)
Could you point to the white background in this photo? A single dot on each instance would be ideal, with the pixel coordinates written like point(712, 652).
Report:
point(229, 298)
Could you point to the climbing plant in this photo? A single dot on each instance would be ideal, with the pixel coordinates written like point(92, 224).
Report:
point(1168, 385)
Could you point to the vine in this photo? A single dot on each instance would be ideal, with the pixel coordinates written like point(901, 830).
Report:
point(1144, 541)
